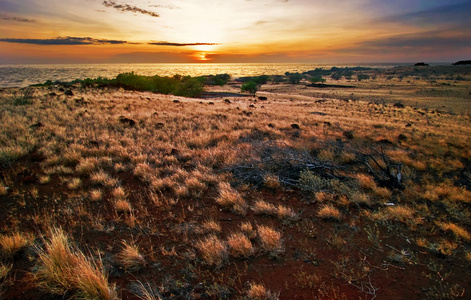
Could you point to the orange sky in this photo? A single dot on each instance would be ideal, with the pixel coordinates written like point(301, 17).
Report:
point(97, 31)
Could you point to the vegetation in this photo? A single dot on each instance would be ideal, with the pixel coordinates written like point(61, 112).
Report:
point(251, 87)
point(350, 192)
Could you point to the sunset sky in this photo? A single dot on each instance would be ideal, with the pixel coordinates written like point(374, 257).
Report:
point(314, 31)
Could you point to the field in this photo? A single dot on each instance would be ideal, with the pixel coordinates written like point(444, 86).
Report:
point(347, 189)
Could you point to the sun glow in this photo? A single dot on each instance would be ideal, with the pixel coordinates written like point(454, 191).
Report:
point(201, 56)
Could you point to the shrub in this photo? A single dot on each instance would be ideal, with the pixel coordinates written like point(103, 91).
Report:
point(251, 87)
point(294, 78)
point(189, 87)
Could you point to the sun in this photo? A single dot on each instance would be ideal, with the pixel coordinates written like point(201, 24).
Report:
point(201, 56)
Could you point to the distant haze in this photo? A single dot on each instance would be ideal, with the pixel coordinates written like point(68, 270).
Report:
point(239, 31)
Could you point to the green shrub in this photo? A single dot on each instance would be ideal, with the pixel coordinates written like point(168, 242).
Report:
point(251, 87)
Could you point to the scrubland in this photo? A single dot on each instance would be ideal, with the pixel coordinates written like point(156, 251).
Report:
point(355, 192)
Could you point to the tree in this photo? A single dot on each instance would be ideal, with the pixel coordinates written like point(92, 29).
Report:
point(251, 87)
point(317, 79)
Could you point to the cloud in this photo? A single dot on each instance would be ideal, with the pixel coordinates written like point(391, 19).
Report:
point(452, 14)
point(127, 7)
point(66, 41)
point(181, 44)
point(425, 40)
point(16, 19)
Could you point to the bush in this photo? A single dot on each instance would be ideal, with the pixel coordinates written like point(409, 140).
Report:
point(294, 78)
point(251, 87)
point(363, 76)
point(189, 87)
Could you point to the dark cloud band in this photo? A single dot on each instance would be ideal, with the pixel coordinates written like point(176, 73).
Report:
point(181, 44)
point(127, 7)
point(16, 19)
point(66, 41)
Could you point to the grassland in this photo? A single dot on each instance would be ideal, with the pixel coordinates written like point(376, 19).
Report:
point(357, 190)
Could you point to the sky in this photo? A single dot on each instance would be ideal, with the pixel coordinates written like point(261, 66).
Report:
point(235, 31)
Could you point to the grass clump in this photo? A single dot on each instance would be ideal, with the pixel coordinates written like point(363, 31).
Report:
point(457, 230)
point(270, 239)
point(260, 292)
point(13, 243)
point(130, 257)
point(240, 245)
point(329, 212)
point(64, 268)
point(213, 250)
point(230, 198)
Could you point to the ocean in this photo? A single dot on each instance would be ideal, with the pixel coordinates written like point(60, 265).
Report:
point(25, 75)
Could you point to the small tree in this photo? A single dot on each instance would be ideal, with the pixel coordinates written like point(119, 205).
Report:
point(294, 78)
point(316, 79)
point(251, 87)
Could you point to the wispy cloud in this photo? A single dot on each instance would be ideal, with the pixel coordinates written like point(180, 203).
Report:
point(127, 7)
point(16, 19)
point(68, 40)
point(181, 44)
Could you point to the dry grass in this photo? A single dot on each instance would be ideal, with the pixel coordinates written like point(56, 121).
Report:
point(270, 239)
point(211, 226)
point(457, 230)
point(64, 268)
point(123, 206)
point(260, 292)
point(329, 212)
point(239, 245)
point(230, 198)
point(96, 195)
point(248, 229)
point(130, 257)
point(213, 250)
point(174, 170)
point(262, 207)
point(13, 243)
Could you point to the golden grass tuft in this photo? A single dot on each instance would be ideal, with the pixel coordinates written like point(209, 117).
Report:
point(329, 212)
point(457, 230)
point(130, 257)
point(261, 207)
point(4, 270)
point(269, 238)
point(213, 250)
point(211, 226)
point(248, 229)
point(240, 245)
point(122, 206)
point(96, 195)
point(399, 212)
point(12, 244)
point(103, 178)
point(260, 292)
point(230, 198)
point(3, 189)
point(366, 181)
point(64, 268)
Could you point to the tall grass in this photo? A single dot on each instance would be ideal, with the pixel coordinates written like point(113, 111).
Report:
point(64, 268)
